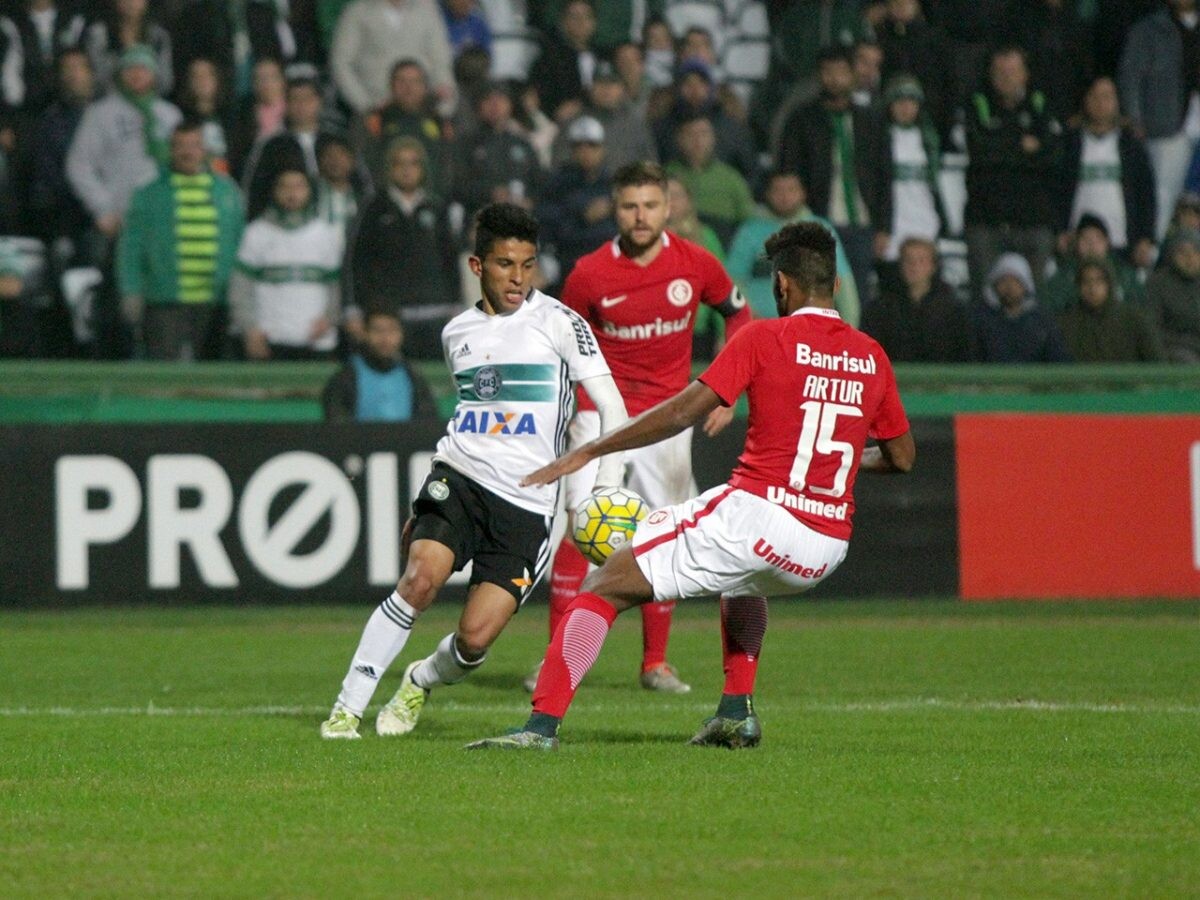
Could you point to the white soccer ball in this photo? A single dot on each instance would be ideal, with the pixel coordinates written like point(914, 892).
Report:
point(606, 521)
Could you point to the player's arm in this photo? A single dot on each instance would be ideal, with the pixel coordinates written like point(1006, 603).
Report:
point(658, 423)
point(611, 407)
point(894, 456)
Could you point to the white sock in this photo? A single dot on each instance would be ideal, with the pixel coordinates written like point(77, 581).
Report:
point(382, 640)
point(444, 665)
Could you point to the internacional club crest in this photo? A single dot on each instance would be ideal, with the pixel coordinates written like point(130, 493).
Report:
point(487, 383)
point(679, 292)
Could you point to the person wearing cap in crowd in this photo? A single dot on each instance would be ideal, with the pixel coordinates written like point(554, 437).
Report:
point(1009, 325)
point(1089, 243)
point(627, 138)
point(694, 93)
point(495, 163)
point(177, 251)
point(722, 196)
point(1106, 171)
point(294, 147)
point(576, 211)
point(121, 142)
point(1173, 297)
point(784, 201)
point(912, 45)
point(284, 294)
point(916, 159)
point(1099, 328)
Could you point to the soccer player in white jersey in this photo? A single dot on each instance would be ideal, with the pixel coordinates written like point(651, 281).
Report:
point(516, 357)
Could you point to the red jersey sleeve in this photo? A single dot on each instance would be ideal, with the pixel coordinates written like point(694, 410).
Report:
point(731, 371)
point(574, 294)
point(890, 420)
point(717, 283)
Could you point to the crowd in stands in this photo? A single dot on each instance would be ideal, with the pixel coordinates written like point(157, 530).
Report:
point(1008, 180)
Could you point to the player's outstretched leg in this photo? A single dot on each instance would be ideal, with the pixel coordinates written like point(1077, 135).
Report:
point(567, 572)
point(459, 653)
point(735, 725)
point(657, 673)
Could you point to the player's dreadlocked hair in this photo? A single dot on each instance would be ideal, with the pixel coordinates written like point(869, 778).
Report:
point(640, 174)
point(501, 221)
point(807, 253)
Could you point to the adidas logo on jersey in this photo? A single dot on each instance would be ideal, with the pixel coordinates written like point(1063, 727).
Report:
point(488, 421)
point(464, 350)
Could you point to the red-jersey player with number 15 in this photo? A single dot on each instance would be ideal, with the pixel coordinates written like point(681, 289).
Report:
point(641, 293)
point(818, 389)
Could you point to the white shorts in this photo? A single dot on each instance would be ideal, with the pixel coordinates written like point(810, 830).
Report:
point(728, 541)
point(661, 473)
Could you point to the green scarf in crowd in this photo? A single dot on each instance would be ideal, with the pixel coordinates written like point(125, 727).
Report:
point(157, 148)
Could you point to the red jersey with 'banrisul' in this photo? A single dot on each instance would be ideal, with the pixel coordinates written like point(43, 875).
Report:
point(643, 316)
point(817, 390)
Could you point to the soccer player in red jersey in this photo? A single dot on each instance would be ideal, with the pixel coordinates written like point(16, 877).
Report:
point(641, 294)
point(818, 389)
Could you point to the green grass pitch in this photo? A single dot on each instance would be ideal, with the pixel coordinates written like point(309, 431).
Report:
point(910, 750)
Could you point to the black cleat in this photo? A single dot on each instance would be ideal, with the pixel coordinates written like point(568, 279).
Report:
point(734, 734)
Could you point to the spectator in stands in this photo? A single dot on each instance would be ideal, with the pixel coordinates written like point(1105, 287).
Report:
point(1186, 216)
point(373, 35)
point(56, 212)
point(916, 161)
point(630, 63)
point(626, 136)
point(920, 319)
point(284, 296)
point(658, 45)
point(1089, 243)
point(708, 336)
point(785, 203)
point(259, 116)
point(294, 147)
point(1159, 80)
point(123, 24)
point(402, 256)
point(496, 164)
point(342, 184)
point(236, 36)
point(842, 154)
point(177, 251)
point(377, 384)
point(409, 113)
point(565, 67)
point(576, 211)
point(1014, 145)
point(1058, 48)
point(913, 46)
point(868, 74)
point(722, 197)
point(1009, 326)
point(36, 32)
point(1106, 172)
point(615, 21)
point(534, 125)
point(202, 99)
point(1098, 328)
point(695, 95)
point(466, 26)
point(697, 44)
point(1173, 297)
point(121, 142)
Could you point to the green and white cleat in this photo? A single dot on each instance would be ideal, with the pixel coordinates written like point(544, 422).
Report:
point(342, 725)
point(664, 679)
point(516, 740)
point(530, 681)
point(734, 734)
point(402, 711)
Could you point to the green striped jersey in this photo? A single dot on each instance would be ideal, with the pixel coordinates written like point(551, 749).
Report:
point(514, 376)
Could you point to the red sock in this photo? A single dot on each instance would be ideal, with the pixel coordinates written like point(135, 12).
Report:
point(656, 630)
point(743, 624)
point(571, 653)
point(567, 572)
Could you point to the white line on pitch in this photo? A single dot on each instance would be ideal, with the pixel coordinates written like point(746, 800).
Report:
point(879, 706)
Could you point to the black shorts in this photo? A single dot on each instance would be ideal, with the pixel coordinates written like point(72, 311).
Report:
point(510, 546)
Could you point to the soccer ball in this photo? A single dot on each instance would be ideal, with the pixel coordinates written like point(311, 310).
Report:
point(607, 520)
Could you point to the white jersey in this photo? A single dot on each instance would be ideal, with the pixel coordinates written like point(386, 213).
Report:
point(514, 376)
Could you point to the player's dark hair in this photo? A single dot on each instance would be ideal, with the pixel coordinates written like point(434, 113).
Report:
point(807, 253)
point(640, 174)
point(500, 222)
